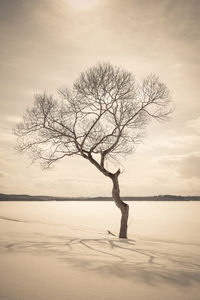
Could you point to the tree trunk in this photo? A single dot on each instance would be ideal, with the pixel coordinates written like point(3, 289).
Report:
point(121, 205)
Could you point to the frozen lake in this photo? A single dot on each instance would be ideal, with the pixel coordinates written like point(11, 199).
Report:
point(52, 250)
point(171, 221)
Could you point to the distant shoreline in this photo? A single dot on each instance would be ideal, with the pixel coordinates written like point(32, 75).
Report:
point(14, 197)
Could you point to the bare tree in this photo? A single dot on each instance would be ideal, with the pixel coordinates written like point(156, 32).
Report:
point(102, 117)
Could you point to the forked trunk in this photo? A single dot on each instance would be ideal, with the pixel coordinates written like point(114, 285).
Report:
point(121, 205)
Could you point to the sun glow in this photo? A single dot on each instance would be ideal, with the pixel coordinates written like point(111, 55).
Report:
point(82, 4)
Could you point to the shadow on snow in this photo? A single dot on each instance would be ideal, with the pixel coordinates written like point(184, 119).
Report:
point(148, 261)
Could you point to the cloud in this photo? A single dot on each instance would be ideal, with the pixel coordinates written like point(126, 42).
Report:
point(6, 176)
point(2, 175)
point(170, 174)
point(194, 124)
point(187, 165)
point(170, 142)
point(77, 186)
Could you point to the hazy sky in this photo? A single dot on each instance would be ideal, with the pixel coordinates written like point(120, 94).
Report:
point(45, 44)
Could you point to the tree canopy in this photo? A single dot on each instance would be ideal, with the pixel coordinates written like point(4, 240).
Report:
point(102, 117)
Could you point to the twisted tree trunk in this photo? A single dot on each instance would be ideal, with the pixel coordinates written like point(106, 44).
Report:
point(121, 205)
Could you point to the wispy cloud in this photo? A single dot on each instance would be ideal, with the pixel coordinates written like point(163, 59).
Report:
point(187, 165)
point(194, 124)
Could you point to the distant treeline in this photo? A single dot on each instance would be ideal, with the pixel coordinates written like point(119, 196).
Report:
point(13, 197)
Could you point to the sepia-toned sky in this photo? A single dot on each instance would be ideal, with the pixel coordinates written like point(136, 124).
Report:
point(45, 44)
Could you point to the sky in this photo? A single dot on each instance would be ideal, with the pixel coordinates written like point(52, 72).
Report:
point(45, 44)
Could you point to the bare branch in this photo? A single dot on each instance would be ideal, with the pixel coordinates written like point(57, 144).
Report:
point(104, 116)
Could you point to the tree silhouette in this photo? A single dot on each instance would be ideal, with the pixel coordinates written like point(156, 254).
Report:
point(101, 118)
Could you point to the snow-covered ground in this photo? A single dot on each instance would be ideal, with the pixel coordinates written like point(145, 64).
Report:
point(61, 250)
